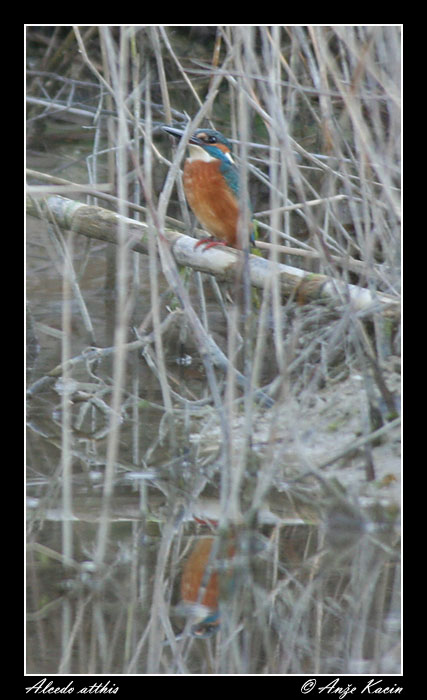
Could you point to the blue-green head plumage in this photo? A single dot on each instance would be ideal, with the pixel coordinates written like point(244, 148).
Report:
point(218, 146)
point(212, 141)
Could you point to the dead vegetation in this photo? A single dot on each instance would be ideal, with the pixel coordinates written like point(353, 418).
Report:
point(163, 399)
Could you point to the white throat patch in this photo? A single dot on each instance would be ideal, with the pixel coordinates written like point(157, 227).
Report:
point(199, 153)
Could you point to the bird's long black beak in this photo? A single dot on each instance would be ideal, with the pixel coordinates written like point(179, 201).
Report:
point(178, 134)
point(174, 132)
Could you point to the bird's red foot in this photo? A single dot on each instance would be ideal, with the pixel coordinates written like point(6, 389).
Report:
point(208, 243)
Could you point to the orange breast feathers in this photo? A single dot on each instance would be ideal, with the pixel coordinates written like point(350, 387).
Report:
point(193, 576)
point(212, 201)
point(200, 582)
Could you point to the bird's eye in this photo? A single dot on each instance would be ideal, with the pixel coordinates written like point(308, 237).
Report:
point(212, 139)
point(204, 630)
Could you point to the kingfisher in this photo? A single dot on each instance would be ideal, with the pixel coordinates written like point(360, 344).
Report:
point(211, 185)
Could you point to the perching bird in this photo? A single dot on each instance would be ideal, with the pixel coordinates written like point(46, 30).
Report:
point(211, 185)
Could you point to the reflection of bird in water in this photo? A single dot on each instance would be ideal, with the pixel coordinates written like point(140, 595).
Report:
point(200, 586)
